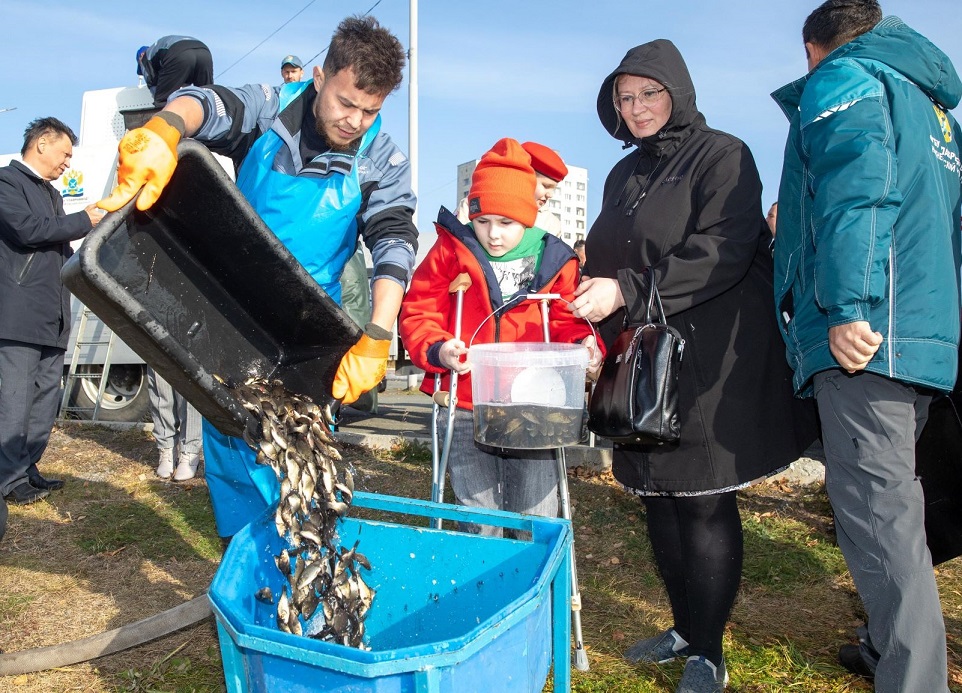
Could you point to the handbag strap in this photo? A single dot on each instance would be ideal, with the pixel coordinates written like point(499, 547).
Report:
point(654, 298)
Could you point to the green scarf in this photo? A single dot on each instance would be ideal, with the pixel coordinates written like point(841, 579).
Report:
point(532, 244)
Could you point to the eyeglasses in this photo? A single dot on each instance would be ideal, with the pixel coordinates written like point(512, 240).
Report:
point(648, 97)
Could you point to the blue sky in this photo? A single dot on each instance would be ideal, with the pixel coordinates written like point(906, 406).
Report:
point(487, 69)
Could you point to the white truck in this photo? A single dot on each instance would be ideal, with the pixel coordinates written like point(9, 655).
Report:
point(105, 116)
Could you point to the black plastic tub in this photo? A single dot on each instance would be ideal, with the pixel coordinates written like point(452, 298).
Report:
point(199, 287)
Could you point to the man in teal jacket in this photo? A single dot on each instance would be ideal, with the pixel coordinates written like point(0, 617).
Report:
point(867, 288)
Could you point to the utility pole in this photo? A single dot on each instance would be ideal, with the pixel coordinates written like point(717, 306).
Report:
point(413, 120)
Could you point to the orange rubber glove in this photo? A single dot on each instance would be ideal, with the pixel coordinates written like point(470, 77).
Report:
point(148, 157)
point(364, 365)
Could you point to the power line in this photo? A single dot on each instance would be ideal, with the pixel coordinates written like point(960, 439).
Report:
point(267, 38)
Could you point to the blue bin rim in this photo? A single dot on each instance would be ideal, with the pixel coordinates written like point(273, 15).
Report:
point(554, 533)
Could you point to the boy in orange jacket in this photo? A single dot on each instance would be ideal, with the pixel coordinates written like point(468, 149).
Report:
point(506, 258)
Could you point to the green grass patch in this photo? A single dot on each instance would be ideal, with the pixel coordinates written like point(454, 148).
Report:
point(782, 554)
point(408, 452)
point(782, 666)
point(177, 674)
point(179, 527)
point(13, 605)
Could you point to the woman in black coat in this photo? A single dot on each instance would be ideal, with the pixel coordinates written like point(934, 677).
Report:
point(686, 201)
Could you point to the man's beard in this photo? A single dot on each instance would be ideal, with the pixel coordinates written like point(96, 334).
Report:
point(319, 129)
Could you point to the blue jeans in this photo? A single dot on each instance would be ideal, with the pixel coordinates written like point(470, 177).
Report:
point(520, 481)
point(869, 428)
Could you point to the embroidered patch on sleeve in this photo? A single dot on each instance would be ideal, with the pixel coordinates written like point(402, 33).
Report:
point(397, 158)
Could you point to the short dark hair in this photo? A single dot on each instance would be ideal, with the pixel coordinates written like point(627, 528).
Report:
point(42, 127)
point(836, 22)
point(580, 242)
point(374, 52)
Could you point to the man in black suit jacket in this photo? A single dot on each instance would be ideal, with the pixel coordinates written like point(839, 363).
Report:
point(35, 236)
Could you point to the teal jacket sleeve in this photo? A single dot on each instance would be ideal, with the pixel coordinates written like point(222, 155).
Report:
point(848, 139)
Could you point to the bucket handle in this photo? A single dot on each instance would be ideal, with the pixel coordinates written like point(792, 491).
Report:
point(531, 297)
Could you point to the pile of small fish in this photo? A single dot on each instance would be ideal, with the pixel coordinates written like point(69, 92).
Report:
point(296, 442)
point(526, 426)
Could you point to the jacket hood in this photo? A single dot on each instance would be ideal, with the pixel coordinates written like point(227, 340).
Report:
point(661, 61)
point(895, 44)
point(554, 256)
point(902, 48)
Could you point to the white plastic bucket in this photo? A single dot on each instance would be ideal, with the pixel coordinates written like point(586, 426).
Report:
point(528, 395)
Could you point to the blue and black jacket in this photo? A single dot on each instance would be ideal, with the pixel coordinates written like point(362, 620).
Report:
point(869, 207)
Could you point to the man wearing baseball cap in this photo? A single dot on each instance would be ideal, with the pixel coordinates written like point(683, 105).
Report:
point(292, 69)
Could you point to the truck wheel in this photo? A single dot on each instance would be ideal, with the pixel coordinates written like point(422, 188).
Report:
point(125, 397)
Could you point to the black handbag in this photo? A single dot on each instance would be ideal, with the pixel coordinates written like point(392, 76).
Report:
point(635, 400)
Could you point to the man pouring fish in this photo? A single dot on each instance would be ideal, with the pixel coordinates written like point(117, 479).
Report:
point(313, 162)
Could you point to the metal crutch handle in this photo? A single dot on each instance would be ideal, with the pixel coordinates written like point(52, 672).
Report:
point(460, 284)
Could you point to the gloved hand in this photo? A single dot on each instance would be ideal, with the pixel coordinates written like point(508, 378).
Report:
point(364, 364)
point(148, 157)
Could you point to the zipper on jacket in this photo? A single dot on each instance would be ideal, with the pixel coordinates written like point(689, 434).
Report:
point(644, 189)
point(631, 209)
point(26, 268)
point(891, 339)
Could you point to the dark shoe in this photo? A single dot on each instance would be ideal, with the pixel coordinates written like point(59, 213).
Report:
point(701, 676)
point(25, 493)
point(659, 649)
point(859, 663)
point(45, 484)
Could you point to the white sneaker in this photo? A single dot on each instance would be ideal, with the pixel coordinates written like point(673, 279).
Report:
point(187, 466)
point(166, 466)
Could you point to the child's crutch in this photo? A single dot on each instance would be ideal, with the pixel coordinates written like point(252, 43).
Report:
point(439, 458)
point(581, 657)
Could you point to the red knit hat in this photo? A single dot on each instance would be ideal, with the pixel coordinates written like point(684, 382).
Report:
point(546, 161)
point(503, 183)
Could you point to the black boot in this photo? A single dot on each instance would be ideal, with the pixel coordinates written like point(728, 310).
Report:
point(25, 493)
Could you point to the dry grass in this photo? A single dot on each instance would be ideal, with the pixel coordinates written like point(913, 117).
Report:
point(118, 545)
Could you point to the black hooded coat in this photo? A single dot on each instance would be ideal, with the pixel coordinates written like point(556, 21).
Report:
point(687, 202)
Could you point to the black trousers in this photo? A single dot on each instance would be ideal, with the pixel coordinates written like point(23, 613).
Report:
point(30, 376)
point(698, 546)
point(3, 517)
point(185, 62)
